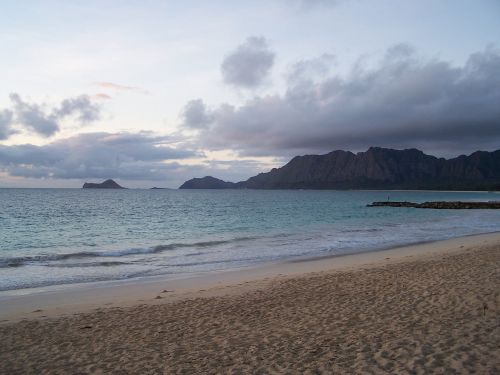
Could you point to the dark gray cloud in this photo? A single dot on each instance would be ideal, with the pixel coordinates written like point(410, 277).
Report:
point(33, 117)
point(138, 159)
point(195, 114)
point(403, 101)
point(310, 70)
point(46, 122)
point(249, 65)
point(6, 124)
point(80, 106)
point(94, 155)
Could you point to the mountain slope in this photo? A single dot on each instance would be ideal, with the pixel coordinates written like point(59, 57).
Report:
point(381, 168)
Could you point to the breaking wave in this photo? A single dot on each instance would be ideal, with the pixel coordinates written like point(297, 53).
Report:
point(41, 259)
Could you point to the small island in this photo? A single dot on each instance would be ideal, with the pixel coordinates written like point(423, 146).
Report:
point(207, 182)
point(108, 184)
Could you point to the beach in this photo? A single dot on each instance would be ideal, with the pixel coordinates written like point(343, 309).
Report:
point(250, 187)
point(422, 309)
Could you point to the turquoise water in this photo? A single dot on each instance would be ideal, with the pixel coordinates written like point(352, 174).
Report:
point(62, 236)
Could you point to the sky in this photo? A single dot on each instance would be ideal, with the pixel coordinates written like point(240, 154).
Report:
point(152, 93)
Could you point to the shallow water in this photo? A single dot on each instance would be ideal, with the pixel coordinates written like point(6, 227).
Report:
point(61, 236)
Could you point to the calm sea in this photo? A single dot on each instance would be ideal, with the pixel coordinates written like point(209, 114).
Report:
point(63, 236)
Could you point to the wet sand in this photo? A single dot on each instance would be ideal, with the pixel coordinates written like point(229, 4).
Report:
point(431, 308)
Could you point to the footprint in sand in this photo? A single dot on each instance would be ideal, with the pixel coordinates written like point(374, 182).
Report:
point(37, 311)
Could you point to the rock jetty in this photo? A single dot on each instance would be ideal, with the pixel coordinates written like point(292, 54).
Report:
point(448, 205)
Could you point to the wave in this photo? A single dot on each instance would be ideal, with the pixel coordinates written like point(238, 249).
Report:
point(87, 264)
point(363, 230)
point(6, 262)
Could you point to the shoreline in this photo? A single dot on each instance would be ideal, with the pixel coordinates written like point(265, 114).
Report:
point(425, 309)
point(63, 300)
point(177, 189)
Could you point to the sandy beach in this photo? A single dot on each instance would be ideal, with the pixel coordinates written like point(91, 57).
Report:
point(424, 309)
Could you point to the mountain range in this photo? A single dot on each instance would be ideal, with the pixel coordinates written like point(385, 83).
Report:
point(377, 168)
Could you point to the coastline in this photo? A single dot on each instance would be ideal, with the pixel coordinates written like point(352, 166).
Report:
point(64, 300)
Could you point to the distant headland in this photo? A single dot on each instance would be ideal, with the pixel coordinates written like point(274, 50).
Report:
point(377, 168)
point(108, 184)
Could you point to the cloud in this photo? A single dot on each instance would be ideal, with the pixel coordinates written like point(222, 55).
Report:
point(249, 65)
point(141, 159)
point(85, 111)
point(195, 115)
point(311, 4)
point(117, 87)
point(101, 96)
point(401, 101)
point(6, 130)
point(308, 70)
point(35, 117)
point(95, 155)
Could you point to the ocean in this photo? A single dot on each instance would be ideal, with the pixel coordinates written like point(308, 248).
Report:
point(65, 236)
